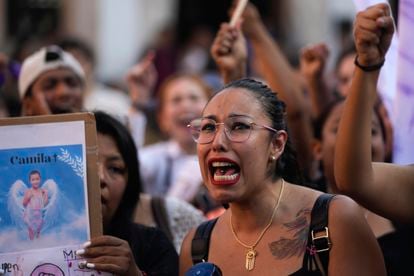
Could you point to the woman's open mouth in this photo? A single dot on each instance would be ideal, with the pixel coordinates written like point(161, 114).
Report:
point(224, 172)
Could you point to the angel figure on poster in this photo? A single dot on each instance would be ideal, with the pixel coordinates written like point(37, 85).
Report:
point(35, 208)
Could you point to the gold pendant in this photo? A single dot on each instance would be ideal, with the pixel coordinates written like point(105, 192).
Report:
point(250, 259)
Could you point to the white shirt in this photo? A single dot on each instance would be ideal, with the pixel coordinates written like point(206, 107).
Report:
point(167, 171)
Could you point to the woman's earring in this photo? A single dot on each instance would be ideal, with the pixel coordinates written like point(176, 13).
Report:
point(273, 158)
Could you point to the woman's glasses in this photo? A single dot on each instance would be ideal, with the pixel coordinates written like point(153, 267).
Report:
point(237, 129)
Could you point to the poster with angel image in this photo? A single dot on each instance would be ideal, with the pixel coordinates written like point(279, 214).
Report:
point(46, 198)
point(40, 210)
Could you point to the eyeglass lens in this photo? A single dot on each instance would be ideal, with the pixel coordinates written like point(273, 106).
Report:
point(237, 129)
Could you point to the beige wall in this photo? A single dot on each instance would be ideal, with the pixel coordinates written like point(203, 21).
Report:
point(118, 30)
point(308, 20)
point(313, 21)
point(79, 17)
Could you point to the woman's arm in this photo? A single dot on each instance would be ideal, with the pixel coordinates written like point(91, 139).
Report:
point(141, 79)
point(354, 250)
point(283, 79)
point(385, 189)
point(312, 66)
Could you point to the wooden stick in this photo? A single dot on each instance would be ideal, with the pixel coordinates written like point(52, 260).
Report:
point(241, 5)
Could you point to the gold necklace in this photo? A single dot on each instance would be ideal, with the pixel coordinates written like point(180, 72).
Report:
point(251, 253)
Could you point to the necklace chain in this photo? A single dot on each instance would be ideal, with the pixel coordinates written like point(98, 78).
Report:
point(251, 247)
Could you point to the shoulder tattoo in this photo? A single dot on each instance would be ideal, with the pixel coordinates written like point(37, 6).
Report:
point(295, 244)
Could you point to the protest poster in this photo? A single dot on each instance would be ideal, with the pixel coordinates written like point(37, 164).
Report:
point(49, 193)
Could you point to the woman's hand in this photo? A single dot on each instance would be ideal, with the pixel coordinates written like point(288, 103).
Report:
point(109, 254)
point(252, 21)
point(373, 30)
point(141, 80)
point(229, 51)
point(313, 59)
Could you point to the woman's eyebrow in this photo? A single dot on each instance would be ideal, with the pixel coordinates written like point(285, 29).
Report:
point(212, 117)
point(232, 115)
point(114, 158)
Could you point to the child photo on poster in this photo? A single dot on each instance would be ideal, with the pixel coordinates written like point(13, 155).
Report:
point(42, 197)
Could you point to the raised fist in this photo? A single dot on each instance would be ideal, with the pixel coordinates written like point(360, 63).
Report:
point(229, 49)
point(373, 30)
point(313, 59)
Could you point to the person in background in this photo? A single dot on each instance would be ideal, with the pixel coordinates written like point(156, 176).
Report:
point(344, 69)
point(392, 238)
point(386, 189)
point(141, 80)
point(170, 168)
point(51, 81)
point(175, 217)
point(313, 60)
point(125, 248)
point(96, 96)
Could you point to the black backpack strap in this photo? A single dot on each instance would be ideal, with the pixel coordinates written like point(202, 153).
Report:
point(201, 241)
point(319, 232)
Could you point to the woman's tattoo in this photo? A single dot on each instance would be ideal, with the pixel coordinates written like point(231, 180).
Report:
point(289, 247)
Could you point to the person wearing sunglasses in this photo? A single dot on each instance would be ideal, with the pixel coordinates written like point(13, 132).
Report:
point(273, 223)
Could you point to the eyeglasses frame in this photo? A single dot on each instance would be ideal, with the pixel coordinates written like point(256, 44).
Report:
point(226, 131)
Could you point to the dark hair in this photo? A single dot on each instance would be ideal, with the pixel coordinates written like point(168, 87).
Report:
point(287, 166)
point(33, 172)
point(107, 125)
point(320, 121)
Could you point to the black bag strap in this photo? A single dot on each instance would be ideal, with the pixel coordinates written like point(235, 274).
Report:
point(160, 215)
point(319, 231)
point(201, 241)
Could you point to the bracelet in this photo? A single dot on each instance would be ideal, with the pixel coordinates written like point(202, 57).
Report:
point(369, 68)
